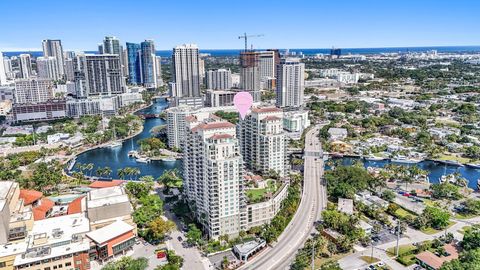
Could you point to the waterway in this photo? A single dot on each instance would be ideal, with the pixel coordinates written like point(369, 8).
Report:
point(117, 158)
point(436, 170)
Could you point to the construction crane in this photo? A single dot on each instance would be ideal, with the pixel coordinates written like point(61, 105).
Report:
point(245, 37)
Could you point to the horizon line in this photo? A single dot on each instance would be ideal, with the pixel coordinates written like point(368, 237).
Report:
point(10, 50)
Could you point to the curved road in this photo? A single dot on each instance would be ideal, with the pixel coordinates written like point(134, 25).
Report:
point(281, 255)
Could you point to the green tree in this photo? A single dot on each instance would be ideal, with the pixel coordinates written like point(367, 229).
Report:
point(158, 228)
point(127, 263)
point(194, 235)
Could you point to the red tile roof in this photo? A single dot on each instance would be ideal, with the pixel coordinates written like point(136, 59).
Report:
point(266, 109)
point(435, 261)
point(40, 211)
point(221, 136)
point(190, 118)
point(105, 184)
point(213, 125)
point(30, 196)
point(271, 118)
point(75, 206)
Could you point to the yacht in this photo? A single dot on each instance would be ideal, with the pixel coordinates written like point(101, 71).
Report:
point(404, 159)
point(373, 158)
point(168, 159)
point(114, 144)
point(142, 159)
point(132, 153)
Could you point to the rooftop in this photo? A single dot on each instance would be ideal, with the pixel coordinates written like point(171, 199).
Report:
point(246, 247)
point(266, 109)
point(105, 184)
point(30, 196)
point(12, 249)
point(213, 125)
point(5, 187)
point(40, 211)
point(109, 232)
point(106, 196)
point(435, 261)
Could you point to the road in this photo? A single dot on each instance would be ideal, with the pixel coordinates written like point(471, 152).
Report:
point(192, 256)
point(314, 199)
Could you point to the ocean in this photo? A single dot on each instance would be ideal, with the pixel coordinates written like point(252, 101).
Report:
point(236, 52)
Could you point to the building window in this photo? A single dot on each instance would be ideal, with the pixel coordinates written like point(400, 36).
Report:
point(68, 264)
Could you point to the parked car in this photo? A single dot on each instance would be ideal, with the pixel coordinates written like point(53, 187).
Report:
point(180, 238)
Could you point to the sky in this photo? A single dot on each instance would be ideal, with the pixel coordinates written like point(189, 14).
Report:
point(214, 24)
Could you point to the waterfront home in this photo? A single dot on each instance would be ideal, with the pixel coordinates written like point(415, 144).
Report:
point(337, 134)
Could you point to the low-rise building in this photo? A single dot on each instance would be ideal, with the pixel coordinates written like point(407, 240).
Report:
point(107, 205)
point(345, 206)
point(296, 121)
point(337, 134)
point(431, 261)
point(248, 249)
point(263, 212)
point(57, 243)
point(111, 240)
point(42, 111)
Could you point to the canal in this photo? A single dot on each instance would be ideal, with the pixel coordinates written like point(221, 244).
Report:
point(117, 158)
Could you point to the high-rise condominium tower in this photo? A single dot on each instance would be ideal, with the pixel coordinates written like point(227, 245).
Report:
point(25, 64)
point(213, 176)
point(249, 71)
point(47, 68)
point(262, 140)
point(53, 48)
point(185, 71)
point(220, 79)
point(98, 75)
point(134, 63)
point(149, 78)
point(290, 83)
point(3, 74)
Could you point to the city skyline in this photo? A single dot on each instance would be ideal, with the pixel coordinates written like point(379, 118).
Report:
point(345, 24)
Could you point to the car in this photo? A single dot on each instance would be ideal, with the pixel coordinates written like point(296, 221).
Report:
point(407, 194)
point(381, 264)
point(180, 238)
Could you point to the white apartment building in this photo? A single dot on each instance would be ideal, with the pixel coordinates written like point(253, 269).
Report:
point(53, 48)
point(220, 79)
point(3, 74)
point(185, 71)
point(25, 65)
point(262, 140)
point(33, 90)
point(290, 83)
point(296, 121)
point(213, 177)
point(47, 68)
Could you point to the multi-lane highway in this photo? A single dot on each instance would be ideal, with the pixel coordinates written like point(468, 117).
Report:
point(313, 201)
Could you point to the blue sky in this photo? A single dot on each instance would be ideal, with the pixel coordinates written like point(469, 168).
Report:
point(216, 24)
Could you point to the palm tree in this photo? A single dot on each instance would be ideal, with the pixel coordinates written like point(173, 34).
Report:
point(89, 167)
point(121, 173)
point(107, 171)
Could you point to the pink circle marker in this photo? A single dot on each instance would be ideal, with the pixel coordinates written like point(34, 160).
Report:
point(243, 101)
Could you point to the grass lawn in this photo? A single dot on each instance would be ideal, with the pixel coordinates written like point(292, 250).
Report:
point(256, 194)
point(434, 231)
point(452, 157)
point(321, 261)
point(369, 259)
point(407, 260)
point(429, 202)
point(464, 229)
point(402, 249)
point(463, 216)
point(402, 213)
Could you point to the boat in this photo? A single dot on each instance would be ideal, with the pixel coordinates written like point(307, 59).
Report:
point(473, 165)
point(168, 159)
point(142, 159)
point(373, 158)
point(404, 159)
point(478, 184)
point(132, 153)
point(114, 144)
point(448, 178)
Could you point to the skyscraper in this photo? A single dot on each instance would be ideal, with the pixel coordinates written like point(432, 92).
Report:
point(158, 70)
point(220, 79)
point(47, 68)
point(290, 83)
point(185, 71)
point(262, 140)
point(7, 63)
point(148, 63)
point(53, 48)
point(134, 63)
point(25, 65)
point(213, 177)
point(111, 45)
point(99, 75)
point(3, 74)
point(69, 69)
point(249, 71)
